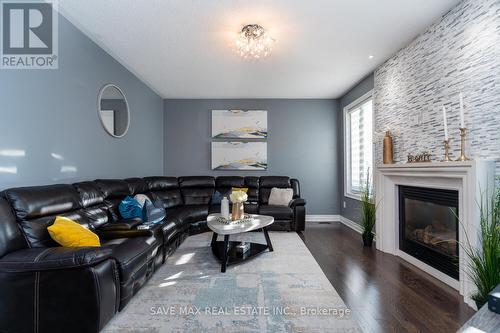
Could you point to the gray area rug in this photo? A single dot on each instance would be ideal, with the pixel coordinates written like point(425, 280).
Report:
point(280, 291)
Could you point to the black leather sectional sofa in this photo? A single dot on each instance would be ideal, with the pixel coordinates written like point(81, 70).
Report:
point(48, 288)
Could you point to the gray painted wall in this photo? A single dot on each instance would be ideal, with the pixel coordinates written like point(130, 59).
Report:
point(302, 143)
point(352, 211)
point(49, 120)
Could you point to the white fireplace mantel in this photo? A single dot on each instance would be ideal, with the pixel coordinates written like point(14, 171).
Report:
point(472, 180)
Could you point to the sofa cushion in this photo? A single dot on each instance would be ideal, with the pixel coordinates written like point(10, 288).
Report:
point(161, 183)
point(167, 229)
point(89, 193)
point(278, 212)
point(170, 228)
point(38, 201)
point(36, 208)
point(197, 181)
point(169, 198)
point(274, 181)
point(280, 196)
point(97, 215)
point(253, 188)
point(137, 186)
point(197, 190)
point(229, 181)
point(131, 254)
point(188, 214)
point(267, 183)
point(197, 196)
point(35, 230)
point(113, 188)
point(250, 208)
point(92, 201)
point(68, 233)
point(224, 184)
point(127, 224)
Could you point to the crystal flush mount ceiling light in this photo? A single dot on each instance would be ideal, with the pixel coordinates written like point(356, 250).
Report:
point(253, 42)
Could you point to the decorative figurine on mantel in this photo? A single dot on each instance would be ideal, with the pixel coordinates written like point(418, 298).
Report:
point(424, 157)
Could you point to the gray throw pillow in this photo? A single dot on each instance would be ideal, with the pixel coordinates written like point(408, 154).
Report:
point(280, 196)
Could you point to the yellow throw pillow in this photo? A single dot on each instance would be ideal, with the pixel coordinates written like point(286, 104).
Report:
point(244, 189)
point(68, 233)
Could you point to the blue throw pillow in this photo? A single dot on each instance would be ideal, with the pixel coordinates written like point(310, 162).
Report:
point(216, 198)
point(130, 208)
point(153, 213)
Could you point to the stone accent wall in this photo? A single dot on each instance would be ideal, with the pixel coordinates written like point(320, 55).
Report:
point(460, 53)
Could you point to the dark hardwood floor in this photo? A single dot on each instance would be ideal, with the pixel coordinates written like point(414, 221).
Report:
point(385, 293)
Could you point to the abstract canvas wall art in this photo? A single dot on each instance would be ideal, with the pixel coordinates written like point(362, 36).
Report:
point(239, 155)
point(239, 124)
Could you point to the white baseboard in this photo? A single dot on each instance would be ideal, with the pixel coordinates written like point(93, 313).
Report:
point(335, 218)
point(351, 224)
point(322, 218)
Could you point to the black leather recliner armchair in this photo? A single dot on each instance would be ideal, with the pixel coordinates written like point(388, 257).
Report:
point(285, 218)
point(48, 288)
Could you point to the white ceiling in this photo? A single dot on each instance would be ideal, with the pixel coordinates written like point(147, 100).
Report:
point(183, 48)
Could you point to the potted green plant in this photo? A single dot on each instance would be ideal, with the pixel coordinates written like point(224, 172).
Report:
point(368, 211)
point(484, 260)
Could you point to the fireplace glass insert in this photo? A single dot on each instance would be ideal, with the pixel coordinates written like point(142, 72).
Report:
point(428, 226)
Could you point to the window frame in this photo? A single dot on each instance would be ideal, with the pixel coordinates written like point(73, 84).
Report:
point(347, 142)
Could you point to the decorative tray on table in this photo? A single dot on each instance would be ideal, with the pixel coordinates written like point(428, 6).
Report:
point(247, 218)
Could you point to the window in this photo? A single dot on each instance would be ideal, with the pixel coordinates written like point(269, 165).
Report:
point(358, 145)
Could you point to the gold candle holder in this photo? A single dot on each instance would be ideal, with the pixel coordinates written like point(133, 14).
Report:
point(446, 151)
point(462, 157)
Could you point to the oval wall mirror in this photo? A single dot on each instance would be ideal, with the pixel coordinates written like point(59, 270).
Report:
point(113, 110)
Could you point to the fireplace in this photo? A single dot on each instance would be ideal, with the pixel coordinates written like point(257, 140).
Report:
point(469, 180)
point(428, 227)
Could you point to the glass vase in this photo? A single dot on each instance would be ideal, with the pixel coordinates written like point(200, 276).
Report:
point(237, 212)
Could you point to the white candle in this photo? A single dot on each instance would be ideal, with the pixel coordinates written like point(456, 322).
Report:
point(462, 122)
point(445, 124)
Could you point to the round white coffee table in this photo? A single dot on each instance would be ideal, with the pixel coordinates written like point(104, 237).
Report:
point(226, 251)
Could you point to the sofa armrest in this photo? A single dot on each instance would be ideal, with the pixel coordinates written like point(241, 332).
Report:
point(40, 284)
point(114, 234)
point(297, 202)
point(299, 214)
point(52, 258)
point(126, 224)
